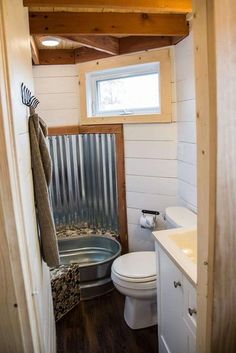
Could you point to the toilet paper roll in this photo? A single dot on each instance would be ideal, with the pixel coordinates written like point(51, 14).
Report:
point(147, 221)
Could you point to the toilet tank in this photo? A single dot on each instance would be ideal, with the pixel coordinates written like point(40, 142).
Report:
point(177, 217)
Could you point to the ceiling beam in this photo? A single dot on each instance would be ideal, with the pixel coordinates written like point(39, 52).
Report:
point(106, 44)
point(56, 56)
point(86, 54)
point(158, 6)
point(70, 56)
point(92, 23)
point(137, 43)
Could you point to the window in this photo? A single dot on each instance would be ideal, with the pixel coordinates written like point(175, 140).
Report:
point(133, 88)
point(129, 90)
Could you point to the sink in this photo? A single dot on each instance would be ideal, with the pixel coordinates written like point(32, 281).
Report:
point(181, 245)
point(187, 242)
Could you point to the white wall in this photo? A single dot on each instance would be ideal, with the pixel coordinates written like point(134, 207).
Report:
point(57, 88)
point(186, 122)
point(152, 169)
point(36, 273)
point(150, 149)
point(151, 175)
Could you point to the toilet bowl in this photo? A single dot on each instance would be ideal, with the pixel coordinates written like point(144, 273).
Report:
point(134, 275)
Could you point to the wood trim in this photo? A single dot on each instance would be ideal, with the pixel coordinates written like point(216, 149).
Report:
point(103, 23)
point(89, 129)
point(15, 320)
point(18, 328)
point(101, 129)
point(161, 6)
point(63, 130)
point(221, 46)
point(215, 33)
point(134, 119)
point(120, 154)
point(163, 56)
point(118, 131)
point(206, 162)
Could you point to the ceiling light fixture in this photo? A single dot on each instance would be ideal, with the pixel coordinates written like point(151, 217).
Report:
point(50, 42)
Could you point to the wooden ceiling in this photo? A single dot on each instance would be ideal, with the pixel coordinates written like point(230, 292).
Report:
point(91, 29)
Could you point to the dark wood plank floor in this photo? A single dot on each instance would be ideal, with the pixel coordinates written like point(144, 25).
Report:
point(98, 326)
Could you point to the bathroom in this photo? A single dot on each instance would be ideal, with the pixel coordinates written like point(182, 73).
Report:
point(136, 190)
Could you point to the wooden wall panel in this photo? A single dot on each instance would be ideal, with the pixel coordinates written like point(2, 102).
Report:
point(206, 163)
point(27, 320)
point(215, 36)
point(224, 292)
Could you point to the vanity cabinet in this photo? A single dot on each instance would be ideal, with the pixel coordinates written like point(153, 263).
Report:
point(176, 300)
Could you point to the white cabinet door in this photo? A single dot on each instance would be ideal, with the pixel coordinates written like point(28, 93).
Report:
point(191, 342)
point(170, 306)
point(190, 339)
point(190, 305)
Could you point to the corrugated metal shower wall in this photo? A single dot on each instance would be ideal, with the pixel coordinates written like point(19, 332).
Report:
point(84, 184)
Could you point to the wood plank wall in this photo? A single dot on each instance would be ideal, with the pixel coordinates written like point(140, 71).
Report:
point(224, 295)
point(33, 300)
point(215, 36)
point(206, 161)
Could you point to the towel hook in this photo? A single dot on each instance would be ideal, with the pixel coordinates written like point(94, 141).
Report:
point(27, 98)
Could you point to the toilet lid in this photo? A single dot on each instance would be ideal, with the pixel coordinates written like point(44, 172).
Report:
point(136, 266)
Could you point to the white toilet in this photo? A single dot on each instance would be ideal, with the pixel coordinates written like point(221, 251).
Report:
point(134, 275)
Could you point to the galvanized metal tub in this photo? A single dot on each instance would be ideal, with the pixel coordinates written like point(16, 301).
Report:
point(94, 255)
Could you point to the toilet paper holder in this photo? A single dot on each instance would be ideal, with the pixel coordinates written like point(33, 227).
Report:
point(156, 213)
point(149, 224)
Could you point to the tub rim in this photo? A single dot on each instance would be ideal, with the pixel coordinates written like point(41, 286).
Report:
point(93, 235)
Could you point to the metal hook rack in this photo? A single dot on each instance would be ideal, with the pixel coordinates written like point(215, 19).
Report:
point(27, 98)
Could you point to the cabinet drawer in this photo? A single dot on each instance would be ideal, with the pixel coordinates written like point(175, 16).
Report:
point(190, 305)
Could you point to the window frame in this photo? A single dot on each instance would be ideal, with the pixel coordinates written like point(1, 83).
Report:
point(160, 56)
point(92, 88)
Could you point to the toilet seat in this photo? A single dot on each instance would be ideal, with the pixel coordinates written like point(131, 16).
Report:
point(134, 280)
point(135, 270)
point(133, 285)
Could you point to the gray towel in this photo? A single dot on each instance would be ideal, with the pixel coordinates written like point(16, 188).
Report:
point(42, 174)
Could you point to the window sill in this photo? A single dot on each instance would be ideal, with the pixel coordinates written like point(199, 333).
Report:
point(129, 119)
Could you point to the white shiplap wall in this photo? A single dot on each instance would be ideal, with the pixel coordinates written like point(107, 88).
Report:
point(186, 122)
point(57, 89)
point(151, 175)
point(150, 149)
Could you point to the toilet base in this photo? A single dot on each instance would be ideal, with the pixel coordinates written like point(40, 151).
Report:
point(140, 313)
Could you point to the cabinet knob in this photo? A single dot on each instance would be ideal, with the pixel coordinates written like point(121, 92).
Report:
point(177, 284)
point(192, 311)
